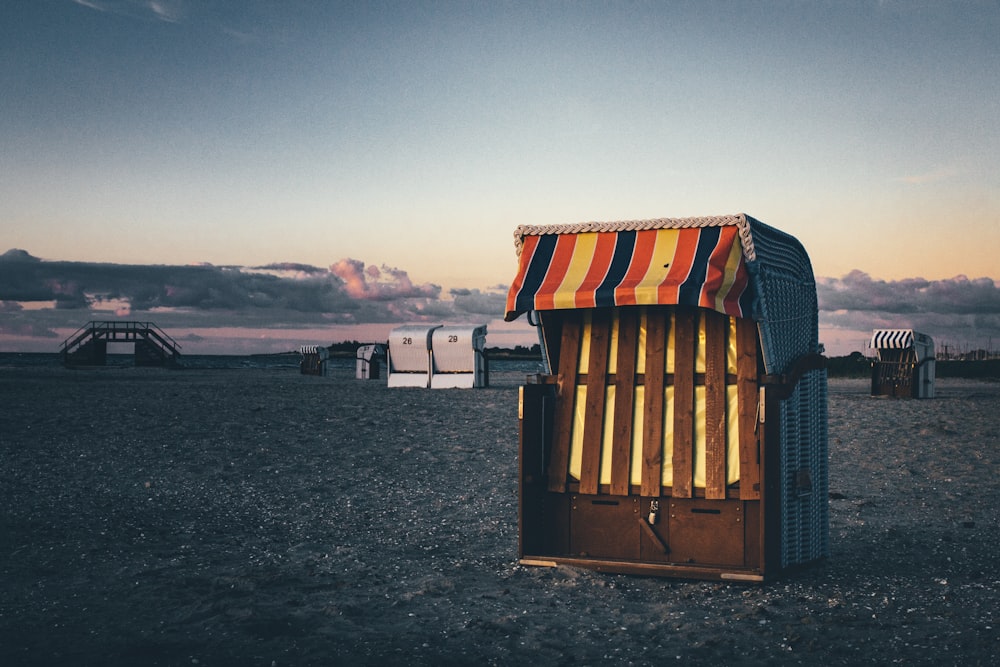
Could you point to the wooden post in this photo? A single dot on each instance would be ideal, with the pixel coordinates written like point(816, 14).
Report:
point(621, 450)
point(683, 458)
point(594, 407)
point(652, 416)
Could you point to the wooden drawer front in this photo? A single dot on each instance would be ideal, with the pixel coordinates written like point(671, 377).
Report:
point(604, 527)
point(706, 532)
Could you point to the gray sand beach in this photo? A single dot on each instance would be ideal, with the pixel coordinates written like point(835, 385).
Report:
point(263, 517)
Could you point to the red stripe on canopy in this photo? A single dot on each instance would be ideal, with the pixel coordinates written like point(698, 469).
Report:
point(558, 266)
point(645, 242)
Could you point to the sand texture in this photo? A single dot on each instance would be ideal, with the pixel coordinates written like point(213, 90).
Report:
point(262, 517)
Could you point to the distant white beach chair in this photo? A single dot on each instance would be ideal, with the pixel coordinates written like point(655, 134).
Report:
point(409, 356)
point(367, 364)
point(458, 357)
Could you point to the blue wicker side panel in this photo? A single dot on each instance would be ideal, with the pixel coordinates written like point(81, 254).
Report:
point(787, 318)
point(786, 308)
point(805, 524)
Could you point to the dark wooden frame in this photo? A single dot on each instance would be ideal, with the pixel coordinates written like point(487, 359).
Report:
point(897, 373)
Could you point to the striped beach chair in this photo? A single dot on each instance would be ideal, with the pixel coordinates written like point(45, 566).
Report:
point(904, 363)
point(680, 429)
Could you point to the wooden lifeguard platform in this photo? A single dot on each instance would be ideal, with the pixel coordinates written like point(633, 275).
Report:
point(88, 346)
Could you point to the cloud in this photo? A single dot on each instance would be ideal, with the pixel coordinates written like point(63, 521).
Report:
point(77, 285)
point(475, 302)
point(18, 255)
point(165, 11)
point(285, 268)
point(42, 296)
point(16, 322)
point(382, 284)
point(240, 22)
point(168, 11)
point(960, 312)
point(26, 329)
point(96, 6)
point(860, 292)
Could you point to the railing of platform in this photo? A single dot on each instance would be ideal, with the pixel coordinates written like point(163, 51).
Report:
point(94, 327)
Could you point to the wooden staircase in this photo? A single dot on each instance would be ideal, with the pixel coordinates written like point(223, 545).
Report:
point(88, 346)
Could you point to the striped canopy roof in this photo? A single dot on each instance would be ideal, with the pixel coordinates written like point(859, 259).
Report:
point(892, 339)
point(690, 261)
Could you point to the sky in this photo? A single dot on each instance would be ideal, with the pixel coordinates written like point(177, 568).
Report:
point(254, 176)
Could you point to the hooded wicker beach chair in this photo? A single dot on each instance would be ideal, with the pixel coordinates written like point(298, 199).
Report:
point(680, 428)
point(904, 363)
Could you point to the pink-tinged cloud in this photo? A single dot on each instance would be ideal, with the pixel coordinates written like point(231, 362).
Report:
point(39, 297)
point(379, 284)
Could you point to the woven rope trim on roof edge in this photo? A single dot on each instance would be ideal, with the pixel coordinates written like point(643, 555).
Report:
point(638, 225)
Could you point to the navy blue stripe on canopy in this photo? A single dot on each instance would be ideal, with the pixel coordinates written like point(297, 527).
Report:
point(689, 293)
point(535, 274)
point(621, 259)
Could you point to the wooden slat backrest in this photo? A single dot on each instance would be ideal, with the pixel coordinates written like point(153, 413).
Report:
point(605, 379)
